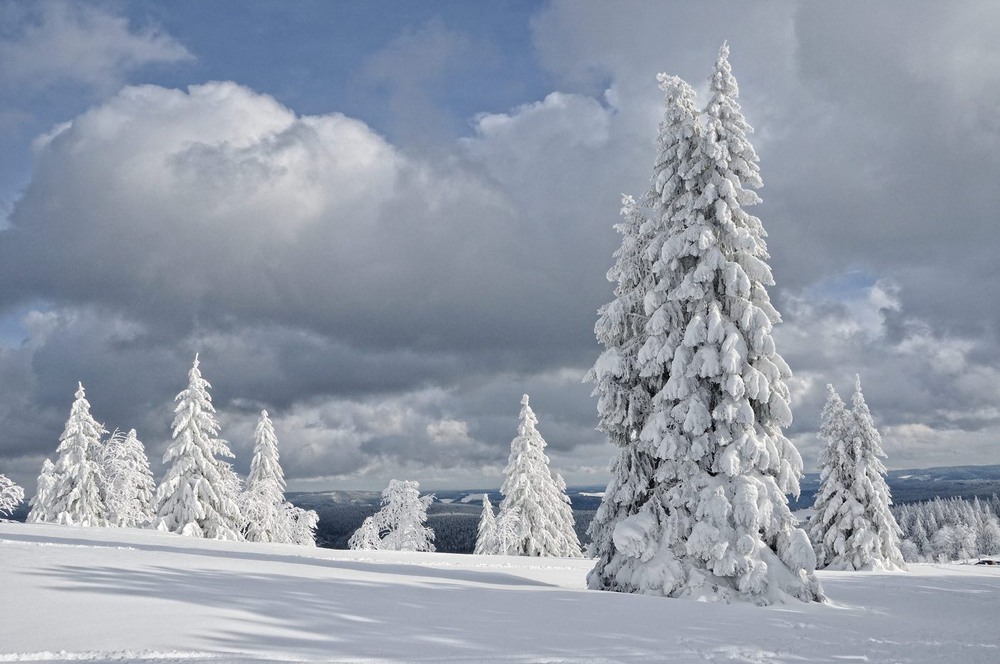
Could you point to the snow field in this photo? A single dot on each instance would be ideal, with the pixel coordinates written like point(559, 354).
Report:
point(129, 595)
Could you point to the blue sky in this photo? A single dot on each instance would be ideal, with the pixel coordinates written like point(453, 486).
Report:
point(384, 222)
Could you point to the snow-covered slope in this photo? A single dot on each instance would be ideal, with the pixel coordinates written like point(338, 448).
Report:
point(125, 595)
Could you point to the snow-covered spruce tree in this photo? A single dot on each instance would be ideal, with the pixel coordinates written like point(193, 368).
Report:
point(508, 537)
point(565, 521)
point(198, 495)
point(11, 495)
point(399, 524)
point(870, 485)
point(129, 480)
point(853, 527)
point(529, 487)
point(77, 496)
point(833, 498)
point(624, 390)
point(264, 499)
point(716, 523)
point(486, 536)
point(41, 502)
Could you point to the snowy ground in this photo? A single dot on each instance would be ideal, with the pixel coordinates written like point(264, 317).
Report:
point(125, 595)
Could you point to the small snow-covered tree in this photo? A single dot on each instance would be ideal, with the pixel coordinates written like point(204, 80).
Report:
point(508, 536)
point(41, 502)
point(264, 499)
point(399, 524)
point(988, 543)
point(267, 516)
point(300, 525)
point(199, 493)
point(486, 536)
point(712, 519)
point(77, 496)
point(834, 506)
point(11, 495)
point(529, 487)
point(853, 527)
point(367, 537)
point(129, 480)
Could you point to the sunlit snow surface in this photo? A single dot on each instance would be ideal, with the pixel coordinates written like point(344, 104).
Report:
point(125, 595)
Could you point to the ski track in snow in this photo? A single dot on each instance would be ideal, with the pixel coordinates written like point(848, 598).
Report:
point(121, 595)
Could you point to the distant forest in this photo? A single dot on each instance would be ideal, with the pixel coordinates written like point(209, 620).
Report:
point(455, 522)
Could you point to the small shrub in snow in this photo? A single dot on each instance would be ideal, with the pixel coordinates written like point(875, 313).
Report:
point(11, 495)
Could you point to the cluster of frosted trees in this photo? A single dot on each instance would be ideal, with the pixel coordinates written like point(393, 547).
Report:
point(691, 388)
point(535, 518)
point(400, 523)
point(108, 482)
point(949, 529)
point(853, 527)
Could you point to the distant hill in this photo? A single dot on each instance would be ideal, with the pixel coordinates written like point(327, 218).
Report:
point(454, 516)
point(915, 485)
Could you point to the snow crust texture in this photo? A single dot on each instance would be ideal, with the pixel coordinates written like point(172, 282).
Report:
point(120, 594)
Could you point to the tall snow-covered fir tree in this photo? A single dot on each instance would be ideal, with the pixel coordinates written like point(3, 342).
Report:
point(11, 495)
point(853, 527)
point(41, 502)
point(486, 535)
point(198, 495)
point(624, 391)
point(714, 521)
point(400, 524)
point(543, 529)
point(129, 480)
point(78, 493)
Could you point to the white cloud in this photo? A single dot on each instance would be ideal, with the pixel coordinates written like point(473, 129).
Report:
point(929, 391)
point(80, 43)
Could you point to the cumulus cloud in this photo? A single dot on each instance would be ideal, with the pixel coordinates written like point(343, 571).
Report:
point(307, 254)
point(915, 380)
point(217, 203)
point(52, 42)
